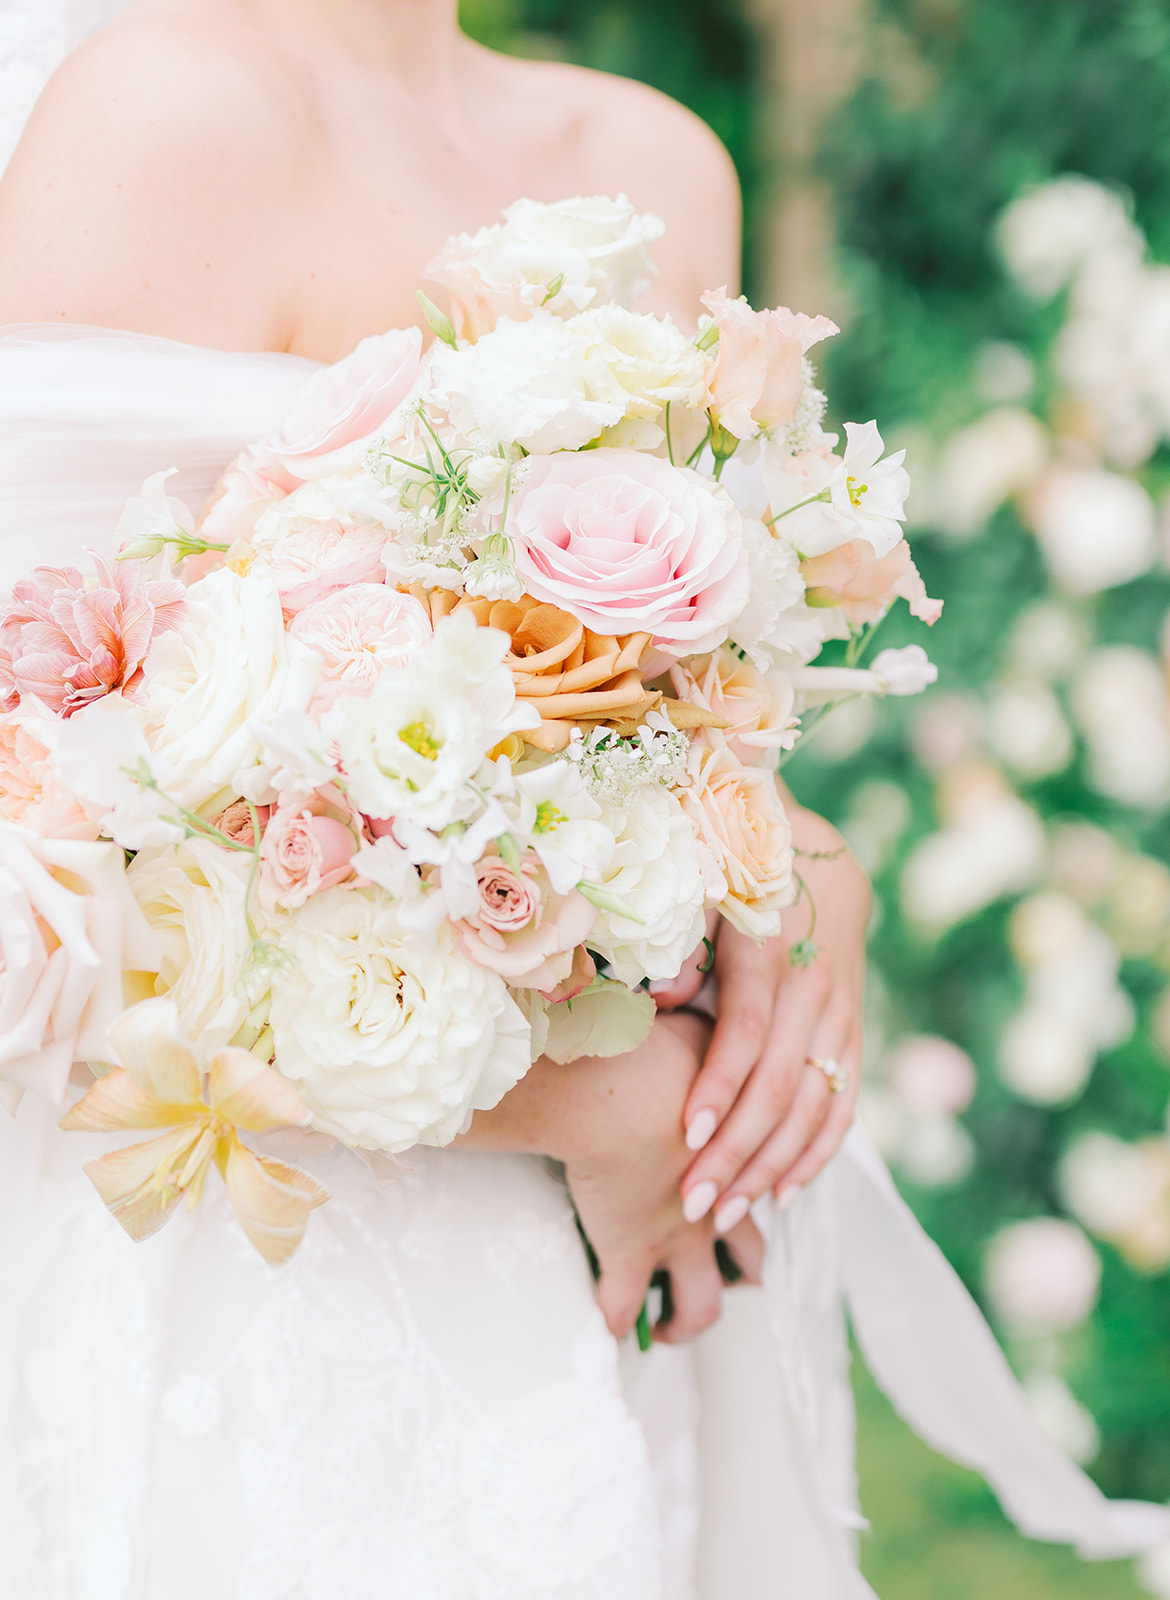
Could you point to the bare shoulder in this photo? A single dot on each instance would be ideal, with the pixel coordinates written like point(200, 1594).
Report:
point(150, 150)
point(633, 138)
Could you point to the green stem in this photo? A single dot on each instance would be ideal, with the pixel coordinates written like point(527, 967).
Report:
point(669, 442)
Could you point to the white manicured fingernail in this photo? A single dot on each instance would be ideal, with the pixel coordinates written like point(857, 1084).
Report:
point(787, 1196)
point(700, 1128)
point(728, 1216)
point(700, 1200)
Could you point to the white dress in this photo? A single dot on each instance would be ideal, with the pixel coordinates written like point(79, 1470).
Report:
point(425, 1403)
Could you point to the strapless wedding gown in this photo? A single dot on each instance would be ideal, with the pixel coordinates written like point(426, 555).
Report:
point(425, 1404)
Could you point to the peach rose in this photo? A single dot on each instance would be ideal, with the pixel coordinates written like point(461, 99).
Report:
point(743, 834)
point(524, 931)
point(750, 713)
point(30, 792)
point(236, 821)
point(345, 403)
point(855, 579)
point(307, 846)
point(358, 632)
point(628, 543)
point(756, 381)
point(318, 560)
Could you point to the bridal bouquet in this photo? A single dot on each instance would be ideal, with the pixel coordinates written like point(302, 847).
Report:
point(444, 729)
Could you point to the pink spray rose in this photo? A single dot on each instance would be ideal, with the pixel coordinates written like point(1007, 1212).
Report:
point(236, 821)
point(323, 558)
point(756, 379)
point(524, 931)
point(307, 846)
point(630, 544)
point(30, 791)
point(862, 584)
point(69, 642)
point(358, 632)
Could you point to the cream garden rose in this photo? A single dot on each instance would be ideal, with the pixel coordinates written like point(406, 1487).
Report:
point(391, 1040)
point(743, 837)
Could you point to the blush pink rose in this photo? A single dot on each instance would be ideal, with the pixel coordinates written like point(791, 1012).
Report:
point(236, 821)
point(30, 791)
point(756, 380)
point(307, 846)
point(743, 836)
point(524, 931)
point(630, 544)
point(756, 710)
point(319, 560)
point(359, 632)
point(68, 642)
point(858, 581)
point(347, 402)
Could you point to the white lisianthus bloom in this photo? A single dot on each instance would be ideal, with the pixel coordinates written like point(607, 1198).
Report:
point(820, 501)
point(563, 257)
point(656, 871)
point(411, 747)
point(390, 1040)
point(533, 383)
point(649, 363)
point(227, 667)
point(554, 814)
point(101, 754)
point(192, 896)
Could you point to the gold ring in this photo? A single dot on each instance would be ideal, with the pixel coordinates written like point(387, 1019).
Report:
point(836, 1076)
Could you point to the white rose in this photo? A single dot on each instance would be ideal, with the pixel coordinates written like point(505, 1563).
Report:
point(192, 896)
point(656, 871)
point(68, 929)
point(564, 257)
point(529, 383)
point(390, 1040)
point(410, 749)
point(228, 665)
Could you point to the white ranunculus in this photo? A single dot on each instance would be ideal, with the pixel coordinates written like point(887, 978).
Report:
point(227, 667)
point(390, 1039)
point(656, 871)
point(192, 897)
point(649, 363)
point(534, 384)
point(68, 930)
point(563, 257)
point(1043, 1276)
point(1096, 529)
point(411, 747)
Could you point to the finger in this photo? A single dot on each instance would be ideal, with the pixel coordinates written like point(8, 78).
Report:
point(764, 1101)
point(748, 1248)
point(622, 1290)
point(780, 1153)
point(749, 977)
point(682, 990)
point(836, 1125)
point(696, 1287)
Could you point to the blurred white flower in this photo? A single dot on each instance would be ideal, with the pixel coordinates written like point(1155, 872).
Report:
point(981, 466)
point(1096, 528)
point(1154, 1571)
point(1121, 1192)
point(932, 1075)
point(1046, 236)
point(947, 730)
point(1042, 1276)
point(1084, 859)
point(1027, 730)
point(994, 849)
point(1003, 372)
point(908, 670)
point(846, 729)
point(935, 1151)
point(1048, 639)
point(1119, 699)
point(879, 813)
point(1062, 1417)
point(1044, 1057)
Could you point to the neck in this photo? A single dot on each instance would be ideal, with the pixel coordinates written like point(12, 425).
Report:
point(418, 41)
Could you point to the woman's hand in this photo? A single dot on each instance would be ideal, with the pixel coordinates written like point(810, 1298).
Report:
point(617, 1126)
point(762, 1116)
